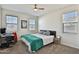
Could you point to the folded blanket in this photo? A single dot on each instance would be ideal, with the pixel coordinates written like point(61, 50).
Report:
point(35, 42)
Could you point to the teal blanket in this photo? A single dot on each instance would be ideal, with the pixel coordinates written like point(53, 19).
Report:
point(35, 42)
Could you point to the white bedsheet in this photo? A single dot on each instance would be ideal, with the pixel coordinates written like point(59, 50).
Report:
point(46, 39)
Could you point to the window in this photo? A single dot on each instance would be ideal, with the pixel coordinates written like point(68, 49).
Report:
point(70, 22)
point(11, 24)
point(71, 27)
point(31, 24)
point(70, 16)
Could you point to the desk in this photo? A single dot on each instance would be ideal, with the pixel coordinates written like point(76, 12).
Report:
point(6, 39)
point(5, 35)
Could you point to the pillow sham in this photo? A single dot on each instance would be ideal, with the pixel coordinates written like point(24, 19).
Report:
point(44, 33)
point(48, 33)
point(41, 32)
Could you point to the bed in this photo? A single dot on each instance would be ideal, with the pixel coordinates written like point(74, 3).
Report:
point(38, 40)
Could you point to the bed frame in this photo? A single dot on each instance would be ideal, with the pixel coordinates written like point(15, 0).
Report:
point(51, 32)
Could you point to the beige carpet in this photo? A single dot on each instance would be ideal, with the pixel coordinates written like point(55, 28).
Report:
point(20, 48)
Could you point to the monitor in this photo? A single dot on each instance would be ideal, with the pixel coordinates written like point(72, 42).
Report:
point(2, 30)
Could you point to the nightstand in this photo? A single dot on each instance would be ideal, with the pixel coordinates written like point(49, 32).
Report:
point(57, 40)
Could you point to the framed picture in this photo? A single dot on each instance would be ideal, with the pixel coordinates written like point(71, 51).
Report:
point(23, 23)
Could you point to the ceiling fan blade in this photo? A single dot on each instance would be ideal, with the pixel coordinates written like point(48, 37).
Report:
point(41, 8)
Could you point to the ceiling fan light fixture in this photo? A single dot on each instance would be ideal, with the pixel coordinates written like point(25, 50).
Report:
point(35, 9)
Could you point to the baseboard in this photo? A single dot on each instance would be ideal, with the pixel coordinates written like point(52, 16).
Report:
point(69, 46)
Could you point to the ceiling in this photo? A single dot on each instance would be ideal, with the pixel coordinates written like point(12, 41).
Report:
point(28, 8)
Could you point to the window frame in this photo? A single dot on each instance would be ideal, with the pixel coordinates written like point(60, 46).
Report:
point(12, 23)
point(32, 24)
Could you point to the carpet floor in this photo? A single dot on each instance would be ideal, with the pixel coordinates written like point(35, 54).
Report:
point(20, 48)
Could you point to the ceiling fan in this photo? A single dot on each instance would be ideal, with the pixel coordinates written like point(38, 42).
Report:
point(36, 8)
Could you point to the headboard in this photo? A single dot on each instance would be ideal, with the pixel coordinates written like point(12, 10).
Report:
point(51, 32)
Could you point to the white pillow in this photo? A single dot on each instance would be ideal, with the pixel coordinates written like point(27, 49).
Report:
point(41, 32)
point(48, 33)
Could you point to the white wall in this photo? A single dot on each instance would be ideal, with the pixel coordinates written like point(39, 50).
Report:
point(50, 22)
point(53, 21)
point(21, 16)
point(0, 16)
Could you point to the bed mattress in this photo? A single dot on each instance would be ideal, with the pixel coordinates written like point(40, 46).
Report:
point(46, 40)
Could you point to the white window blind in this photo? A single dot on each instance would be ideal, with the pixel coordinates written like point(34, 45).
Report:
point(11, 24)
point(32, 24)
